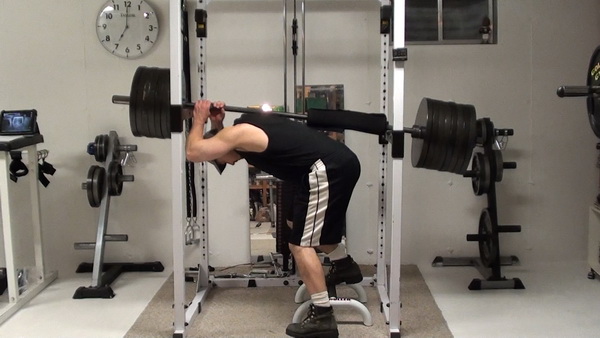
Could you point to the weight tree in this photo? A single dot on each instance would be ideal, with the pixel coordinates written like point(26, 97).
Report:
point(103, 182)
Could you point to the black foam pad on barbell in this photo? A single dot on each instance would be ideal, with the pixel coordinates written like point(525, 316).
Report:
point(345, 119)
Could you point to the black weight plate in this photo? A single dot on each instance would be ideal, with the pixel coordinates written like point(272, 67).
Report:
point(141, 104)
point(135, 100)
point(101, 142)
point(441, 120)
point(476, 169)
point(431, 138)
point(162, 100)
point(459, 140)
point(151, 101)
point(164, 89)
point(95, 185)
point(482, 180)
point(115, 184)
point(462, 137)
point(450, 144)
point(593, 100)
point(485, 130)
point(499, 165)
point(420, 146)
point(148, 99)
point(471, 135)
point(436, 147)
point(89, 187)
point(116, 146)
point(488, 251)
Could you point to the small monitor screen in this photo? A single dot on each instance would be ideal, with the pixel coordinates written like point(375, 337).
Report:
point(18, 122)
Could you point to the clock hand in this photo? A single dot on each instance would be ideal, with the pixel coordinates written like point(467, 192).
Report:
point(126, 23)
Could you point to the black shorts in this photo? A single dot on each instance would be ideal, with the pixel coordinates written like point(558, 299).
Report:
point(321, 202)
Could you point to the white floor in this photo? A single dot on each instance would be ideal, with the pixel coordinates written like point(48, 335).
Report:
point(559, 301)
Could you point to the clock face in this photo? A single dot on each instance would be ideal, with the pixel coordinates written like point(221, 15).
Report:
point(127, 28)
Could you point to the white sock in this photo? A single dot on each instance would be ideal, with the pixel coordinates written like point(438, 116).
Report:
point(338, 253)
point(320, 299)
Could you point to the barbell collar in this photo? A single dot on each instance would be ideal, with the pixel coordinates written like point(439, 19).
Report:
point(416, 131)
point(509, 165)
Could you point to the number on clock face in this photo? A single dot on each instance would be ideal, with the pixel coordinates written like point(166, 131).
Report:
point(127, 28)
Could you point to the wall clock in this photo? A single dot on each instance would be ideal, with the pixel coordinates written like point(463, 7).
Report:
point(127, 28)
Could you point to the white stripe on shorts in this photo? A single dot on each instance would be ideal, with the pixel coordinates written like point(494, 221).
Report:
point(317, 204)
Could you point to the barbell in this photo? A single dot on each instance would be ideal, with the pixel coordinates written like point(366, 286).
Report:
point(444, 133)
point(591, 91)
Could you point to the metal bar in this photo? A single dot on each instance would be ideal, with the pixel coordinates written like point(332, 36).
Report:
point(303, 56)
point(285, 54)
point(177, 169)
point(32, 160)
point(202, 198)
point(9, 248)
point(295, 59)
point(397, 175)
point(187, 106)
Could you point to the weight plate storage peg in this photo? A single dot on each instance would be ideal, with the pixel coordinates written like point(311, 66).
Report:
point(94, 185)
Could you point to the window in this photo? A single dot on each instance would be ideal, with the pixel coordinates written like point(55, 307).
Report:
point(450, 21)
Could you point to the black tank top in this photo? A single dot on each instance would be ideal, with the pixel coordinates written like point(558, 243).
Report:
point(293, 147)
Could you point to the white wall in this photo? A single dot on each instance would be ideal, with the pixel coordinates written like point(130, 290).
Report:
point(542, 44)
point(52, 61)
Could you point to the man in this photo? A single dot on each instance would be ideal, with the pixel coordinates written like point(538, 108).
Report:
point(325, 173)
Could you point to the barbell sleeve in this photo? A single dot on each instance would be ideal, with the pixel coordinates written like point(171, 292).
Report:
point(120, 99)
point(574, 91)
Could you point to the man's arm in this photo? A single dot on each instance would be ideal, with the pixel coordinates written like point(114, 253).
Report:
point(243, 137)
point(198, 149)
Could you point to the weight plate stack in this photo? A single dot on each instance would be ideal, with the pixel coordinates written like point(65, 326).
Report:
point(94, 185)
point(448, 138)
point(101, 143)
point(149, 103)
point(164, 87)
